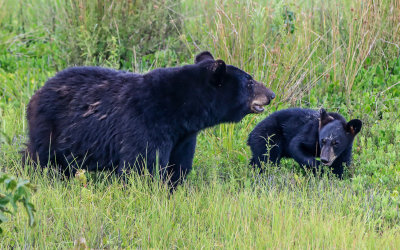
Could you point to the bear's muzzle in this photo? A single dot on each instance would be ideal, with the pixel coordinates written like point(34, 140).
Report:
point(262, 97)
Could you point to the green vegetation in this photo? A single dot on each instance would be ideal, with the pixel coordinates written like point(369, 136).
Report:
point(342, 55)
point(14, 191)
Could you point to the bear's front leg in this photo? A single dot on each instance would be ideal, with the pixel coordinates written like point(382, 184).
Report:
point(344, 159)
point(181, 158)
point(304, 153)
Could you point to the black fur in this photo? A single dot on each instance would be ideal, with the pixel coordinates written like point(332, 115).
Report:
point(304, 135)
point(99, 118)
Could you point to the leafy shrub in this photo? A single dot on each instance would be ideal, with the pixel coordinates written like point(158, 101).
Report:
point(15, 191)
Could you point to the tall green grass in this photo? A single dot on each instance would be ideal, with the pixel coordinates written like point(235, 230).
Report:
point(279, 210)
point(113, 33)
point(342, 55)
point(295, 46)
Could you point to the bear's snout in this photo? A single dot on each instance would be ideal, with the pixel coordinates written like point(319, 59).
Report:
point(324, 160)
point(272, 95)
point(262, 97)
point(327, 156)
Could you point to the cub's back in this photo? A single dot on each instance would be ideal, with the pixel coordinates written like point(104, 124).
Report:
point(285, 124)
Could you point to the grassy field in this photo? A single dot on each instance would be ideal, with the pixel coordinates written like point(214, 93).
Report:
point(341, 55)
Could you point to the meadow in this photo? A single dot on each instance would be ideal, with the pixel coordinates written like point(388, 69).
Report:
point(341, 55)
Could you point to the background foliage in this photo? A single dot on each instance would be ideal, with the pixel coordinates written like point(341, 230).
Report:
point(341, 55)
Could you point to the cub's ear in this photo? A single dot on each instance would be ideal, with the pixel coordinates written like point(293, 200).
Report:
point(218, 69)
point(205, 55)
point(354, 126)
point(324, 118)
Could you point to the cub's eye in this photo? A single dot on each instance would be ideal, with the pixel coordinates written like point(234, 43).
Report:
point(335, 143)
point(323, 141)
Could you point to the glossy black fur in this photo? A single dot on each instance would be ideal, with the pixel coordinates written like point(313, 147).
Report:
point(98, 118)
point(302, 134)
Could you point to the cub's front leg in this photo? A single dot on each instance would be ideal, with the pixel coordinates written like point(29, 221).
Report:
point(304, 152)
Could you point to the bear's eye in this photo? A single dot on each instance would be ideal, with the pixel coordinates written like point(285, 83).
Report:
point(323, 141)
point(250, 83)
point(335, 143)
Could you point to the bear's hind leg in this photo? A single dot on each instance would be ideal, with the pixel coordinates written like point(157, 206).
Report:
point(265, 143)
point(266, 150)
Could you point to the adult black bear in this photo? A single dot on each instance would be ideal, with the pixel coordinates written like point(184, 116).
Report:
point(98, 118)
point(304, 135)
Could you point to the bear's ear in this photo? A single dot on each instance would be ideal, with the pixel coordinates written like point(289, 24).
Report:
point(205, 55)
point(354, 126)
point(324, 118)
point(218, 69)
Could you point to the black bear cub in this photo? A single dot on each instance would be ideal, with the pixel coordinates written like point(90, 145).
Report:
point(304, 135)
point(98, 118)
